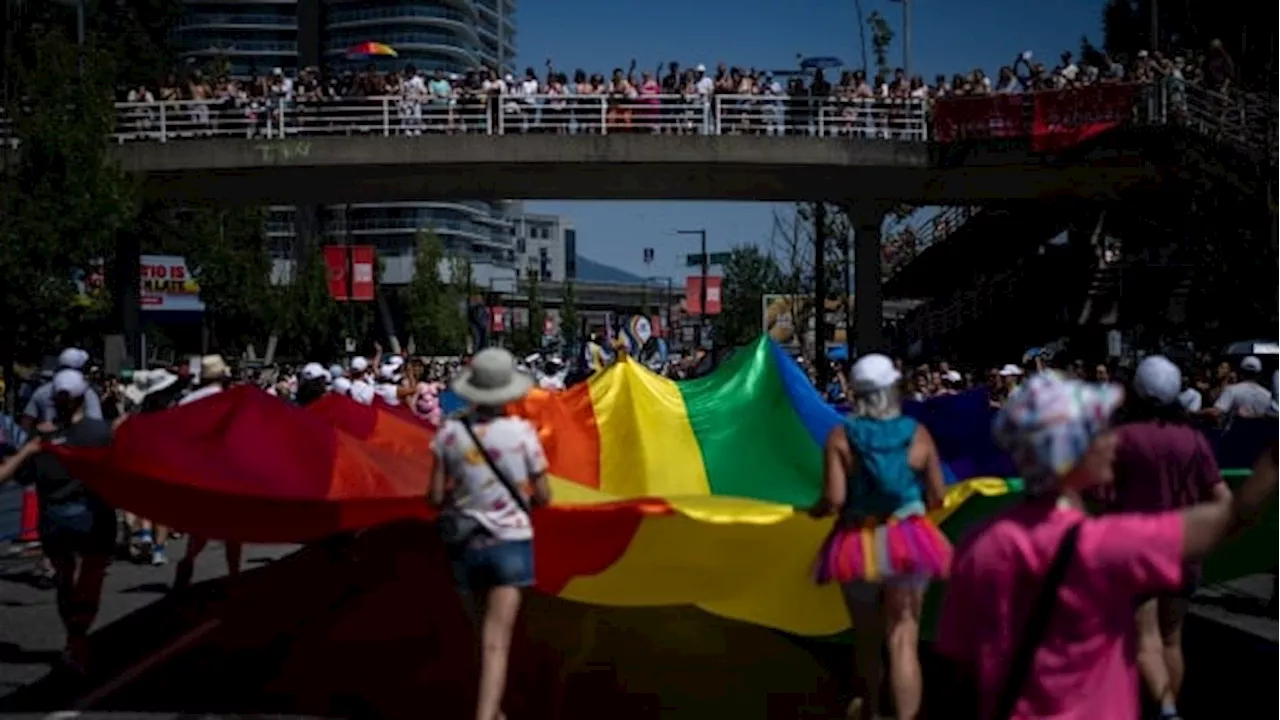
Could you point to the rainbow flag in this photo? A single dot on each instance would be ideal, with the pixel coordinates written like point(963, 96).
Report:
point(665, 493)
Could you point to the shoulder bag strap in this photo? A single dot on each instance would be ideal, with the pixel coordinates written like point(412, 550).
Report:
point(1037, 623)
point(502, 477)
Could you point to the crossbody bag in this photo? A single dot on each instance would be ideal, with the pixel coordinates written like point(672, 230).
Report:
point(457, 527)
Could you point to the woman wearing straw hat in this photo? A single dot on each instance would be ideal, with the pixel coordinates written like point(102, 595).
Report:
point(490, 468)
point(882, 472)
point(1038, 617)
point(150, 391)
point(215, 377)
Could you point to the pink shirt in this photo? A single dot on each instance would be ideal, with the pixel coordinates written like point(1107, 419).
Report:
point(1085, 667)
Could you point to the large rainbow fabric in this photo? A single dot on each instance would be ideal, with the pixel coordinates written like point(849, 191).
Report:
point(665, 493)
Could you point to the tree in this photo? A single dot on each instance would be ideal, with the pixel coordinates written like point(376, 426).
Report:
point(881, 41)
point(64, 201)
point(748, 276)
point(432, 306)
point(569, 317)
point(304, 316)
point(537, 314)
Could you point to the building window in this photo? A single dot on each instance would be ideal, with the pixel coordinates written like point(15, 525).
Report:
point(520, 245)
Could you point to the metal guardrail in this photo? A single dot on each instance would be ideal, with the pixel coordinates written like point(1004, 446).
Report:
point(515, 115)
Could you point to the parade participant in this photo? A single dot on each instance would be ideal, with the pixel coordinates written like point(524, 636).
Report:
point(341, 386)
point(494, 462)
point(1247, 398)
point(40, 407)
point(1038, 617)
point(594, 354)
point(1162, 463)
point(882, 472)
point(77, 528)
point(149, 391)
point(215, 378)
point(314, 383)
point(553, 374)
point(360, 380)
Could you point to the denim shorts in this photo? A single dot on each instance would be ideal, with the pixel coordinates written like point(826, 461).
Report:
point(480, 566)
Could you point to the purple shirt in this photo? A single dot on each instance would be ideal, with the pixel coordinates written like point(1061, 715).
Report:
point(1162, 466)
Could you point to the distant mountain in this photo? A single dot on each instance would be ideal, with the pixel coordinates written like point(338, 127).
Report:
point(591, 271)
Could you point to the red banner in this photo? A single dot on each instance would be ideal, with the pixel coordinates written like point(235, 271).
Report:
point(1066, 118)
point(693, 295)
point(659, 330)
point(979, 118)
point(497, 319)
point(335, 263)
point(363, 270)
point(350, 270)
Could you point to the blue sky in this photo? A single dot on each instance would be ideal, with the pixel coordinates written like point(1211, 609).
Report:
point(598, 35)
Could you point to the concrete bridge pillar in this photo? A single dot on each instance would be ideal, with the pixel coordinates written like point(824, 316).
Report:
point(867, 218)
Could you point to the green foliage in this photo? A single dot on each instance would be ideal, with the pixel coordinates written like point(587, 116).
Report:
point(138, 33)
point(569, 316)
point(64, 201)
point(748, 276)
point(433, 307)
point(537, 314)
point(305, 317)
point(881, 40)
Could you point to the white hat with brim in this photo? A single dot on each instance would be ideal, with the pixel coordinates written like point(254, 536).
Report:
point(1010, 370)
point(149, 382)
point(213, 367)
point(872, 373)
point(492, 379)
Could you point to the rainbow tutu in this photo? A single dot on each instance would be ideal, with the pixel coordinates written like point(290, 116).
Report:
point(897, 548)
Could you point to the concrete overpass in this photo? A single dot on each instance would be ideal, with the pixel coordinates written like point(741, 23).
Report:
point(356, 169)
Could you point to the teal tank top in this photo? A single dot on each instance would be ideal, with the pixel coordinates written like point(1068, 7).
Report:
point(884, 483)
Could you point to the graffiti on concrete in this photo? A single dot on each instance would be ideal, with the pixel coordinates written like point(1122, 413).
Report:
point(283, 151)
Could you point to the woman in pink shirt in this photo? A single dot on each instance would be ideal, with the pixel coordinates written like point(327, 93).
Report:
point(1069, 651)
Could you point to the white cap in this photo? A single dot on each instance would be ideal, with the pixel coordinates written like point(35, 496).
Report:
point(341, 385)
point(71, 382)
point(335, 370)
point(73, 359)
point(1010, 370)
point(1251, 364)
point(873, 372)
point(313, 371)
point(359, 364)
point(701, 68)
point(1157, 379)
point(952, 376)
point(390, 371)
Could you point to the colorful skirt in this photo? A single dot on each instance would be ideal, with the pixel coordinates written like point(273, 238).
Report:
point(909, 548)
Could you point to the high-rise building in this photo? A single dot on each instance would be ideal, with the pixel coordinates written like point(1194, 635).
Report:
point(454, 36)
point(546, 246)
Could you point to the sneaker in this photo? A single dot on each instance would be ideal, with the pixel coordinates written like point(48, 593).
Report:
point(158, 556)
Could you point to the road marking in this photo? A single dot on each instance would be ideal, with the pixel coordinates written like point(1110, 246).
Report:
point(140, 668)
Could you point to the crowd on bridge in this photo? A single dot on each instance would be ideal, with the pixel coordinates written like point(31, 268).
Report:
point(666, 99)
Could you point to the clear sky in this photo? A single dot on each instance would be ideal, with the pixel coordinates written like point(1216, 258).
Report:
point(948, 36)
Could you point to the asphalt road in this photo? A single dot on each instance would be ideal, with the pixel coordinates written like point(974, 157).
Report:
point(370, 627)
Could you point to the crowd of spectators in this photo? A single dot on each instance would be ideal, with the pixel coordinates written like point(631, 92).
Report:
point(667, 99)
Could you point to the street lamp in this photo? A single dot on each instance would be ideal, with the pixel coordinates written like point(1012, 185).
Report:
point(702, 291)
point(666, 301)
point(906, 36)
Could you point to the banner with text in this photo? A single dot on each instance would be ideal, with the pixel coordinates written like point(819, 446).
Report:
point(980, 118)
point(350, 271)
point(1066, 118)
point(167, 285)
point(693, 295)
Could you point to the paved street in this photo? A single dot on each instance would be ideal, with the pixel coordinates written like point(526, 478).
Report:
point(30, 635)
point(369, 627)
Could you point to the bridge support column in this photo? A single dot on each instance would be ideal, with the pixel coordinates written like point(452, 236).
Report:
point(868, 281)
point(126, 291)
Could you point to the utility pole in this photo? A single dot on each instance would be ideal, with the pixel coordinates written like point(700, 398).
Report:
point(820, 295)
point(702, 291)
point(906, 36)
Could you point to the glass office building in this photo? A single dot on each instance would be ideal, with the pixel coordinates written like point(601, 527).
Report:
point(448, 35)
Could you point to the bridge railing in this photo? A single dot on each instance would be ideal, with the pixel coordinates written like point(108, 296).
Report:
point(516, 115)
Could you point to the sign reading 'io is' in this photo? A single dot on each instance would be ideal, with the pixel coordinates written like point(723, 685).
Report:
point(168, 285)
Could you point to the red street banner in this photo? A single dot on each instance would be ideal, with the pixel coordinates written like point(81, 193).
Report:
point(548, 326)
point(498, 319)
point(693, 295)
point(359, 262)
point(362, 273)
point(655, 322)
point(980, 118)
point(335, 263)
point(1066, 118)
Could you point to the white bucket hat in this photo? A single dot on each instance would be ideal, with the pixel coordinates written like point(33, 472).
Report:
point(213, 367)
point(492, 379)
point(147, 382)
point(1158, 379)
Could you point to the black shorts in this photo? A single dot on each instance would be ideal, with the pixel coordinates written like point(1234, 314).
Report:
point(80, 527)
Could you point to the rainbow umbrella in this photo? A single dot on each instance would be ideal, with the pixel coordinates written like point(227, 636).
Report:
point(371, 49)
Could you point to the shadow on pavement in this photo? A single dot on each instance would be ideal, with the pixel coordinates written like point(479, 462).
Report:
point(369, 626)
